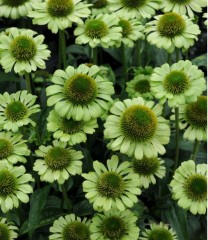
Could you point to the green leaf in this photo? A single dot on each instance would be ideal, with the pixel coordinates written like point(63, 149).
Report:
point(200, 61)
point(37, 203)
point(83, 208)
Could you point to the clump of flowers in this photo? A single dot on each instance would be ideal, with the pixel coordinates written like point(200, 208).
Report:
point(22, 50)
point(179, 84)
point(114, 225)
point(100, 30)
point(136, 128)
point(70, 227)
point(14, 186)
point(59, 14)
point(57, 162)
point(189, 186)
point(16, 110)
point(171, 30)
point(80, 93)
point(113, 187)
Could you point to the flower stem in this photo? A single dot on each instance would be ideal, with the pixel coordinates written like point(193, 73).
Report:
point(28, 83)
point(187, 55)
point(62, 49)
point(68, 202)
point(138, 52)
point(176, 137)
point(177, 51)
point(169, 59)
point(124, 66)
point(195, 150)
point(95, 55)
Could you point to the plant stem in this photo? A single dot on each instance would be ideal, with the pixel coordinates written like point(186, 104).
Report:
point(195, 150)
point(68, 202)
point(28, 83)
point(176, 137)
point(187, 55)
point(95, 55)
point(169, 59)
point(177, 51)
point(62, 49)
point(124, 67)
point(138, 53)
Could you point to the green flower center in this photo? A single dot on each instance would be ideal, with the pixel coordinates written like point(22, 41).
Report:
point(126, 27)
point(138, 123)
point(100, 4)
point(6, 148)
point(15, 111)
point(57, 158)
point(196, 187)
point(146, 166)
point(113, 228)
point(196, 113)
point(160, 234)
point(96, 28)
point(7, 183)
point(4, 232)
point(75, 231)
point(14, 3)
point(176, 82)
point(60, 8)
point(110, 185)
point(80, 89)
point(180, 2)
point(142, 86)
point(23, 48)
point(133, 4)
point(171, 25)
point(70, 126)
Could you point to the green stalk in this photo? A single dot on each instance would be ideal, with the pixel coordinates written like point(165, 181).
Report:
point(195, 150)
point(177, 51)
point(169, 59)
point(95, 55)
point(28, 83)
point(62, 49)
point(187, 55)
point(176, 137)
point(124, 66)
point(68, 202)
point(138, 52)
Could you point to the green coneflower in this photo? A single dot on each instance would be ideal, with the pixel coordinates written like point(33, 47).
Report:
point(179, 84)
point(22, 50)
point(69, 130)
point(136, 128)
point(159, 231)
point(171, 30)
point(7, 230)
point(70, 227)
point(113, 187)
point(14, 186)
point(114, 225)
point(59, 14)
point(80, 93)
point(100, 7)
point(13, 148)
point(58, 162)
point(189, 186)
point(16, 109)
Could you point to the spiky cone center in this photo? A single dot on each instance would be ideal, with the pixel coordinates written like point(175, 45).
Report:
point(196, 187)
point(180, 2)
point(126, 27)
point(146, 166)
point(138, 123)
point(76, 231)
point(60, 8)
point(14, 3)
point(113, 228)
point(142, 86)
point(96, 28)
point(133, 4)
point(7, 183)
point(58, 158)
point(15, 111)
point(4, 232)
point(80, 89)
point(160, 234)
point(171, 25)
point(196, 113)
point(110, 185)
point(100, 4)
point(70, 126)
point(23, 48)
point(6, 148)
point(176, 82)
